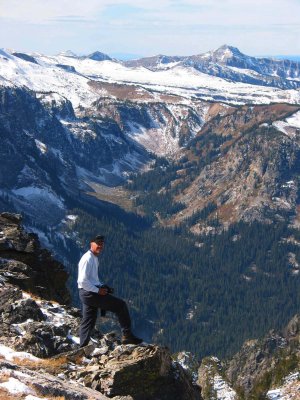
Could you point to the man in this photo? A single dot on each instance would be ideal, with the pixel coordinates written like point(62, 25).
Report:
point(94, 295)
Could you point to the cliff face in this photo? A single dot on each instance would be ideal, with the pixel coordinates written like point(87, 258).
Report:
point(266, 363)
point(263, 369)
point(38, 337)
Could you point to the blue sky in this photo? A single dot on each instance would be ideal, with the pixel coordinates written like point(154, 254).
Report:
point(173, 27)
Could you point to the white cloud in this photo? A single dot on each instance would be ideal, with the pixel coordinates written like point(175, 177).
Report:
point(223, 12)
point(42, 10)
point(156, 26)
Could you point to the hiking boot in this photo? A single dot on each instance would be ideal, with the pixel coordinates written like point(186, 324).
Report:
point(129, 338)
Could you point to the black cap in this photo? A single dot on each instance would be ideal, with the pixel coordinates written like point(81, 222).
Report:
point(98, 239)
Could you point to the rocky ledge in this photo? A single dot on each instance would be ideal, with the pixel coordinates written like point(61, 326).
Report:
point(39, 353)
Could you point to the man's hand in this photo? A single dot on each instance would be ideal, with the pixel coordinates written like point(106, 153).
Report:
point(103, 291)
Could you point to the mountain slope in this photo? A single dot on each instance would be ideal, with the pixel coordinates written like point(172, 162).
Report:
point(266, 368)
point(242, 165)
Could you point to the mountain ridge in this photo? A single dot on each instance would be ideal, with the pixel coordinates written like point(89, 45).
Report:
point(192, 77)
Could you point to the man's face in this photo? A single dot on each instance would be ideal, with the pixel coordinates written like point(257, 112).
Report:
point(96, 248)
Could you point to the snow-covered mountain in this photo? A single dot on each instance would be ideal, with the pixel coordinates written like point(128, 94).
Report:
point(224, 75)
point(229, 63)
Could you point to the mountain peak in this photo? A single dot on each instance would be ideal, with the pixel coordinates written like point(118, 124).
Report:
point(67, 53)
point(226, 52)
point(98, 56)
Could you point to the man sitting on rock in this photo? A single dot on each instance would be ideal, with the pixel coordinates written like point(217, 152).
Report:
point(94, 295)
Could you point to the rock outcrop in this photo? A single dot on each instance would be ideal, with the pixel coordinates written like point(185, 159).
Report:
point(144, 372)
point(40, 383)
point(266, 368)
point(24, 263)
point(265, 363)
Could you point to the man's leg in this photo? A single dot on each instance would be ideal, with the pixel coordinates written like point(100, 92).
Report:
point(118, 307)
point(89, 317)
point(115, 305)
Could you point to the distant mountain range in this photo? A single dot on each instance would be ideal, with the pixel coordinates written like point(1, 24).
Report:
point(225, 75)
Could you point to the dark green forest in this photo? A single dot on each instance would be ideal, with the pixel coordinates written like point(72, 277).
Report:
point(206, 295)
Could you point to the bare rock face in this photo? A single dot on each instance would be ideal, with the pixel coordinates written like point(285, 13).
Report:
point(143, 372)
point(263, 364)
point(25, 264)
point(212, 380)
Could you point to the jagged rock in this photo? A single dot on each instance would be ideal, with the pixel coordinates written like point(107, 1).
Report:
point(262, 363)
point(15, 218)
point(293, 327)
point(21, 311)
point(45, 384)
point(16, 272)
point(189, 363)
point(212, 381)
point(24, 263)
point(144, 372)
point(44, 339)
point(39, 328)
point(8, 295)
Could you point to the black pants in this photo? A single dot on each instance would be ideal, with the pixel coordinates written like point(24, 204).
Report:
point(91, 302)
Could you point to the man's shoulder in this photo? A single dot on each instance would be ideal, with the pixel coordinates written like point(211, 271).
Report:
point(86, 256)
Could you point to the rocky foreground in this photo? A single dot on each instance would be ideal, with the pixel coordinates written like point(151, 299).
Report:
point(39, 353)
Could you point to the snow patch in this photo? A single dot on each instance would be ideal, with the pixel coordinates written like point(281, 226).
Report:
point(41, 146)
point(9, 354)
point(74, 339)
point(33, 192)
point(72, 217)
point(14, 386)
point(294, 120)
point(223, 390)
point(275, 394)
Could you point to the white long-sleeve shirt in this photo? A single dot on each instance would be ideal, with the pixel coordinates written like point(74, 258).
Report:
point(88, 278)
